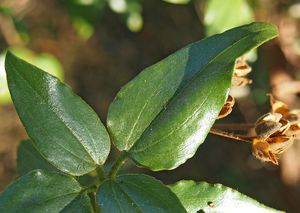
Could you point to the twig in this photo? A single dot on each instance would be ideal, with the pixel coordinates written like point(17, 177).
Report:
point(234, 126)
point(231, 135)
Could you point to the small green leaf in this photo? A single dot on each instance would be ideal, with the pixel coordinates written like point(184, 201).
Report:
point(39, 191)
point(217, 20)
point(215, 198)
point(63, 128)
point(28, 159)
point(137, 193)
point(164, 114)
point(81, 204)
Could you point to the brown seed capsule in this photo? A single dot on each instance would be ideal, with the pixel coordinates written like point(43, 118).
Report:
point(261, 150)
point(227, 108)
point(240, 81)
point(267, 125)
point(241, 69)
point(278, 106)
point(273, 134)
point(293, 116)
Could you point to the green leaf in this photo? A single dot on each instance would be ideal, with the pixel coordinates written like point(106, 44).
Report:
point(217, 19)
point(81, 204)
point(39, 191)
point(28, 159)
point(164, 114)
point(137, 193)
point(215, 198)
point(63, 128)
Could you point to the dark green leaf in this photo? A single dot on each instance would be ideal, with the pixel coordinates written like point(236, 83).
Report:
point(39, 191)
point(217, 20)
point(165, 113)
point(81, 204)
point(137, 193)
point(64, 129)
point(215, 198)
point(28, 159)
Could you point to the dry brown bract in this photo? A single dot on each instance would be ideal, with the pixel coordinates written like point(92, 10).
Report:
point(241, 69)
point(227, 108)
point(275, 131)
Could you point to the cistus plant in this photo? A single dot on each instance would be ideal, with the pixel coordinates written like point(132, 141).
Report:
point(158, 120)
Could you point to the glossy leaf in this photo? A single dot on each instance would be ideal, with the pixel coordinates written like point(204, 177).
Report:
point(143, 98)
point(165, 113)
point(28, 159)
point(39, 191)
point(204, 197)
point(217, 20)
point(137, 193)
point(81, 204)
point(63, 128)
point(44, 61)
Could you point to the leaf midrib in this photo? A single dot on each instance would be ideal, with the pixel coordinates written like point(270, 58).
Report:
point(128, 197)
point(185, 85)
point(133, 150)
point(145, 191)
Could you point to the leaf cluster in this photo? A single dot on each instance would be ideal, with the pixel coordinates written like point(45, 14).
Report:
point(159, 119)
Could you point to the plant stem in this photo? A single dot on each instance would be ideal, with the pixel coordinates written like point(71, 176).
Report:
point(231, 135)
point(90, 189)
point(100, 174)
point(117, 165)
point(234, 126)
point(96, 208)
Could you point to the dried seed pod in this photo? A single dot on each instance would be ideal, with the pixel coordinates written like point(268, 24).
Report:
point(261, 150)
point(293, 116)
point(285, 126)
point(272, 138)
point(240, 81)
point(278, 106)
point(227, 108)
point(280, 144)
point(267, 125)
point(269, 150)
point(241, 69)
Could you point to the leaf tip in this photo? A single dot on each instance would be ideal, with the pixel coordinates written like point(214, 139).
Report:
point(266, 26)
point(10, 58)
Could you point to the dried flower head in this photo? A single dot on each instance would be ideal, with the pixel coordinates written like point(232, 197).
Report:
point(275, 132)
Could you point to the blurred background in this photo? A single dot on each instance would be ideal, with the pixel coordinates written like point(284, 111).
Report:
point(97, 46)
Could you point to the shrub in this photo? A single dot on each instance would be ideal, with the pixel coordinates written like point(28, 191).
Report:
point(159, 119)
